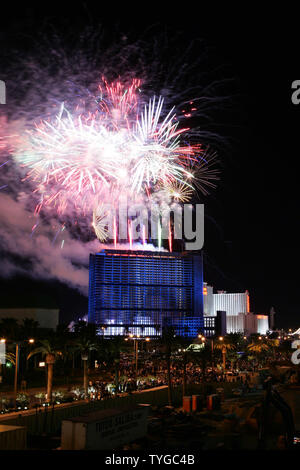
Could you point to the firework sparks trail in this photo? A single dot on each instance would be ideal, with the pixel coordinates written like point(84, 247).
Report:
point(159, 234)
point(89, 159)
point(110, 140)
point(144, 235)
point(62, 120)
point(170, 238)
point(99, 222)
point(115, 232)
point(130, 234)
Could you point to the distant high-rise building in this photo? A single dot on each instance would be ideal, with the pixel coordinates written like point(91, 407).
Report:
point(208, 300)
point(272, 318)
point(239, 319)
point(232, 303)
point(140, 292)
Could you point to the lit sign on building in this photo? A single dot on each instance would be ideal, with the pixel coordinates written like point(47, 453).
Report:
point(248, 301)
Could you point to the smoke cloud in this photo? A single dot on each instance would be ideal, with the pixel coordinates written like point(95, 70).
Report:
point(35, 254)
point(46, 252)
point(55, 72)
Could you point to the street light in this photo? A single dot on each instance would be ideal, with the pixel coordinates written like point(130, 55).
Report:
point(212, 353)
point(223, 352)
point(135, 347)
point(18, 343)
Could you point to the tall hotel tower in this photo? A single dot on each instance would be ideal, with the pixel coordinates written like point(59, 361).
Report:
point(140, 292)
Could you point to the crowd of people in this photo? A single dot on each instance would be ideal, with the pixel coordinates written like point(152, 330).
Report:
point(151, 373)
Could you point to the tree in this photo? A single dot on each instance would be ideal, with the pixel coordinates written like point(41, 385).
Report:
point(258, 346)
point(203, 357)
point(186, 357)
point(29, 328)
point(185, 360)
point(51, 350)
point(225, 345)
point(273, 346)
point(64, 338)
point(236, 339)
point(113, 349)
point(168, 340)
point(85, 342)
point(9, 328)
point(85, 345)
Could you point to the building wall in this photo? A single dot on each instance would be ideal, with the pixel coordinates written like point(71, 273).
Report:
point(139, 292)
point(47, 318)
point(237, 308)
point(215, 326)
point(262, 324)
point(250, 324)
point(233, 304)
point(235, 323)
point(208, 300)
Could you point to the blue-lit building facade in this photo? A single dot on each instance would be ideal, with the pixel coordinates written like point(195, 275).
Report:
point(140, 292)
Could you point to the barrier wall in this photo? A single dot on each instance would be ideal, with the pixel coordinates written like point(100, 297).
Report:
point(48, 420)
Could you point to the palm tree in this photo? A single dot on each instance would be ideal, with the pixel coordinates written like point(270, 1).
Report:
point(10, 357)
point(258, 346)
point(64, 338)
point(184, 373)
point(85, 342)
point(203, 357)
point(236, 339)
point(51, 350)
point(185, 358)
point(29, 328)
point(87, 329)
point(9, 328)
point(168, 341)
point(114, 347)
point(274, 346)
point(225, 344)
point(85, 345)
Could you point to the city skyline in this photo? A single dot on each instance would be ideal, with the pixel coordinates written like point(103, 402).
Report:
point(249, 236)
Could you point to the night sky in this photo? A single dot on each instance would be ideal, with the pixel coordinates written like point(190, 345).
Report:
point(251, 226)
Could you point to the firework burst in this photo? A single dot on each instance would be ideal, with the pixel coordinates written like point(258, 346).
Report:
point(87, 159)
point(100, 222)
point(179, 192)
point(203, 172)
